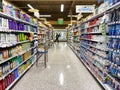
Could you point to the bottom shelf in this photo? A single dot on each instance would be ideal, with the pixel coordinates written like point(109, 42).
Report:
point(105, 86)
point(11, 85)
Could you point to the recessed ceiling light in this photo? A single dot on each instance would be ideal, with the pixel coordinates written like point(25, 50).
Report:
point(62, 7)
point(30, 6)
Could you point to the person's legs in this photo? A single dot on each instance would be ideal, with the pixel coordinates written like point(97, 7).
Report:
point(57, 40)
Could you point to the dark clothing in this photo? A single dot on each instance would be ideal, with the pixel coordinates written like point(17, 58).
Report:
point(57, 38)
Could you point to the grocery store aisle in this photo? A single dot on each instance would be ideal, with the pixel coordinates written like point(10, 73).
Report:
point(64, 72)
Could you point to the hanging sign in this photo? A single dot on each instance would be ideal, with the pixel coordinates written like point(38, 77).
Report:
point(36, 14)
point(60, 21)
point(85, 8)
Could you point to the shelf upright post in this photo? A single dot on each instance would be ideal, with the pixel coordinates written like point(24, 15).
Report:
point(45, 55)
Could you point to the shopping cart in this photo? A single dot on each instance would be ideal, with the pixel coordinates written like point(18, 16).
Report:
point(40, 53)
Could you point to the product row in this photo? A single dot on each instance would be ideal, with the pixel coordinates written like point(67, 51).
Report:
point(13, 51)
point(97, 38)
point(96, 45)
point(15, 74)
point(8, 39)
point(6, 67)
point(17, 13)
point(114, 43)
point(114, 15)
point(8, 24)
point(114, 30)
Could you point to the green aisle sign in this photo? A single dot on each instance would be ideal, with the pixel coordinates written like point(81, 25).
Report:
point(60, 21)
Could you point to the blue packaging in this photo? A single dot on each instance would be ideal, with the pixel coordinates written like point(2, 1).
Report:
point(110, 43)
point(111, 2)
point(117, 59)
point(115, 1)
point(118, 44)
point(110, 55)
point(115, 43)
point(16, 73)
point(111, 30)
point(117, 31)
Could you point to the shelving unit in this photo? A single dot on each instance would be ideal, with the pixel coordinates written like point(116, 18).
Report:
point(99, 47)
point(44, 39)
point(18, 45)
point(86, 49)
point(74, 36)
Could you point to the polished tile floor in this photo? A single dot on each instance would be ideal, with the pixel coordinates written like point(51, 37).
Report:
point(64, 72)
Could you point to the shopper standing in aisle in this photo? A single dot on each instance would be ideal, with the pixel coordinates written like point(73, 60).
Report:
point(57, 37)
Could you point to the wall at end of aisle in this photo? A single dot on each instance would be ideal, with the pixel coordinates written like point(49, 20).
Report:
point(63, 33)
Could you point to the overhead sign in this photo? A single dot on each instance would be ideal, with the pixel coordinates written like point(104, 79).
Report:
point(85, 8)
point(60, 21)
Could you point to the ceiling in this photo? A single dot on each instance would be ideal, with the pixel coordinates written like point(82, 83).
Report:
point(52, 7)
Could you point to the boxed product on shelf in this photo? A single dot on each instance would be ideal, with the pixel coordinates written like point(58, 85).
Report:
point(16, 73)
point(4, 23)
point(2, 86)
point(114, 30)
point(10, 52)
point(16, 61)
point(26, 55)
point(114, 43)
point(112, 2)
point(26, 46)
point(103, 7)
point(6, 68)
point(20, 70)
point(9, 79)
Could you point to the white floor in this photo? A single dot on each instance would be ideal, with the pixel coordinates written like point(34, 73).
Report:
point(64, 72)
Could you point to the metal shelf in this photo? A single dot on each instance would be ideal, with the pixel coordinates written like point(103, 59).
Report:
point(92, 33)
point(96, 25)
point(14, 44)
point(113, 36)
point(91, 40)
point(15, 31)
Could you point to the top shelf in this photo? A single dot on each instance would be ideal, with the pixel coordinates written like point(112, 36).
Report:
point(101, 14)
point(19, 20)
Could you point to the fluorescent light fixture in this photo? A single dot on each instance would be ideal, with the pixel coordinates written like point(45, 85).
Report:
point(45, 15)
point(30, 6)
point(62, 7)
